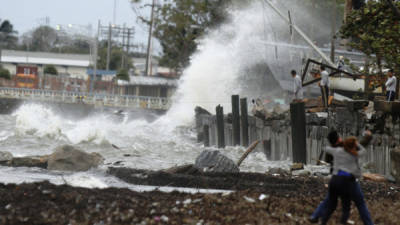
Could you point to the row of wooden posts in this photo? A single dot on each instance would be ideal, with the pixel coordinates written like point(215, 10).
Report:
point(240, 127)
point(239, 120)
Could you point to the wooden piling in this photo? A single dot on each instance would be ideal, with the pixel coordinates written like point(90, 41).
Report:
point(235, 120)
point(245, 122)
point(206, 136)
point(220, 126)
point(298, 123)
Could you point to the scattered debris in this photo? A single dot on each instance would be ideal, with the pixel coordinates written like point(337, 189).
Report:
point(248, 199)
point(296, 166)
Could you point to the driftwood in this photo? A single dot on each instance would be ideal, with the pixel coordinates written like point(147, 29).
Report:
point(374, 177)
point(249, 149)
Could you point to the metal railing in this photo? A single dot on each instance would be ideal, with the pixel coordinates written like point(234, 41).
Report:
point(96, 99)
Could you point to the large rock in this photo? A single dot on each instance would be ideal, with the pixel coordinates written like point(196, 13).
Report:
point(395, 164)
point(68, 158)
point(214, 161)
point(5, 156)
point(28, 162)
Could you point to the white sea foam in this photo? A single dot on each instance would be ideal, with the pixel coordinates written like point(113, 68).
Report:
point(34, 119)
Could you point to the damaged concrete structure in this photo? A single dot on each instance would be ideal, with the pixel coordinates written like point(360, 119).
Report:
point(349, 118)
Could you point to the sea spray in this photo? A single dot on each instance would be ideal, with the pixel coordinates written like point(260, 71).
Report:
point(35, 119)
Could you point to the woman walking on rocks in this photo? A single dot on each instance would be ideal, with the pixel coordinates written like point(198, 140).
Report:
point(343, 183)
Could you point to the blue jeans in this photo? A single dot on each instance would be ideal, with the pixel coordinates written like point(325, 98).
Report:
point(390, 95)
point(319, 212)
point(347, 189)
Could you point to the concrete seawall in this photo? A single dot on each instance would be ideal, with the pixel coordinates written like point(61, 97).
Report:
point(277, 141)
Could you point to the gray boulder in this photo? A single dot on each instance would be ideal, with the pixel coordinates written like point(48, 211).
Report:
point(5, 156)
point(214, 161)
point(395, 163)
point(68, 158)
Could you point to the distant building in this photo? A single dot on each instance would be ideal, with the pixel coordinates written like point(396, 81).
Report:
point(140, 66)
point(104, 81)
point(23, 62)
point(102, 75)
point(156, 69)
point(152, 86)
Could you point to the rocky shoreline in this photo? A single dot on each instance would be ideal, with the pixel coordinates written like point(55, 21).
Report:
point(268, 199)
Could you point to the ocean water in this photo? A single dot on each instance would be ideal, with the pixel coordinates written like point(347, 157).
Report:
point(34, 130)
point(221, 67)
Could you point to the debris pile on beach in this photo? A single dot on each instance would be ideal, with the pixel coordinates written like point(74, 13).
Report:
point(284, 200)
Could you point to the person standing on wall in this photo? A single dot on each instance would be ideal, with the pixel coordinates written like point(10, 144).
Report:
point(340, 64)
point(298, 86)
point(391, 86)
point(324, 85)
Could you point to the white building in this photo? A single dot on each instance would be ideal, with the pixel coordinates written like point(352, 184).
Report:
point(73, 65)
point(148, 86)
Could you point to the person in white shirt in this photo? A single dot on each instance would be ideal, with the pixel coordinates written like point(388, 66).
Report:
point(340, 64)
point(324, 85)
point(298, 86)
point(391, 84)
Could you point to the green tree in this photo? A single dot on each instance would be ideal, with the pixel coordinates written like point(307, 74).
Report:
point(8, 38)
point(74, 46)
point(50, 69)
point(374, 30)
point(116, 57)
point(4, 73)
point(43, 38)
point(178, 23)
point(123, 74)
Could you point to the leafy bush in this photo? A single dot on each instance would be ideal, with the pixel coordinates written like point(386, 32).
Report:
point(4, 73)
point(49, 69)
point(123, 74)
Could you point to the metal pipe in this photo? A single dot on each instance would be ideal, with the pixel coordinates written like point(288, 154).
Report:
point(304, 36)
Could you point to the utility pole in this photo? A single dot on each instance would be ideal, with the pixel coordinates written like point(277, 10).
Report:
point(95, 53)
point(149, 42)
point(123, 50)
point(115, 12)
point(333, 31)
point(128, 41)
point(109, 47)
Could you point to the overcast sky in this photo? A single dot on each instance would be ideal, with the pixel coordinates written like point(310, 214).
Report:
point(28, 14)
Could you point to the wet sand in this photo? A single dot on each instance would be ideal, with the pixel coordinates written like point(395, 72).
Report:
point(287, 200)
